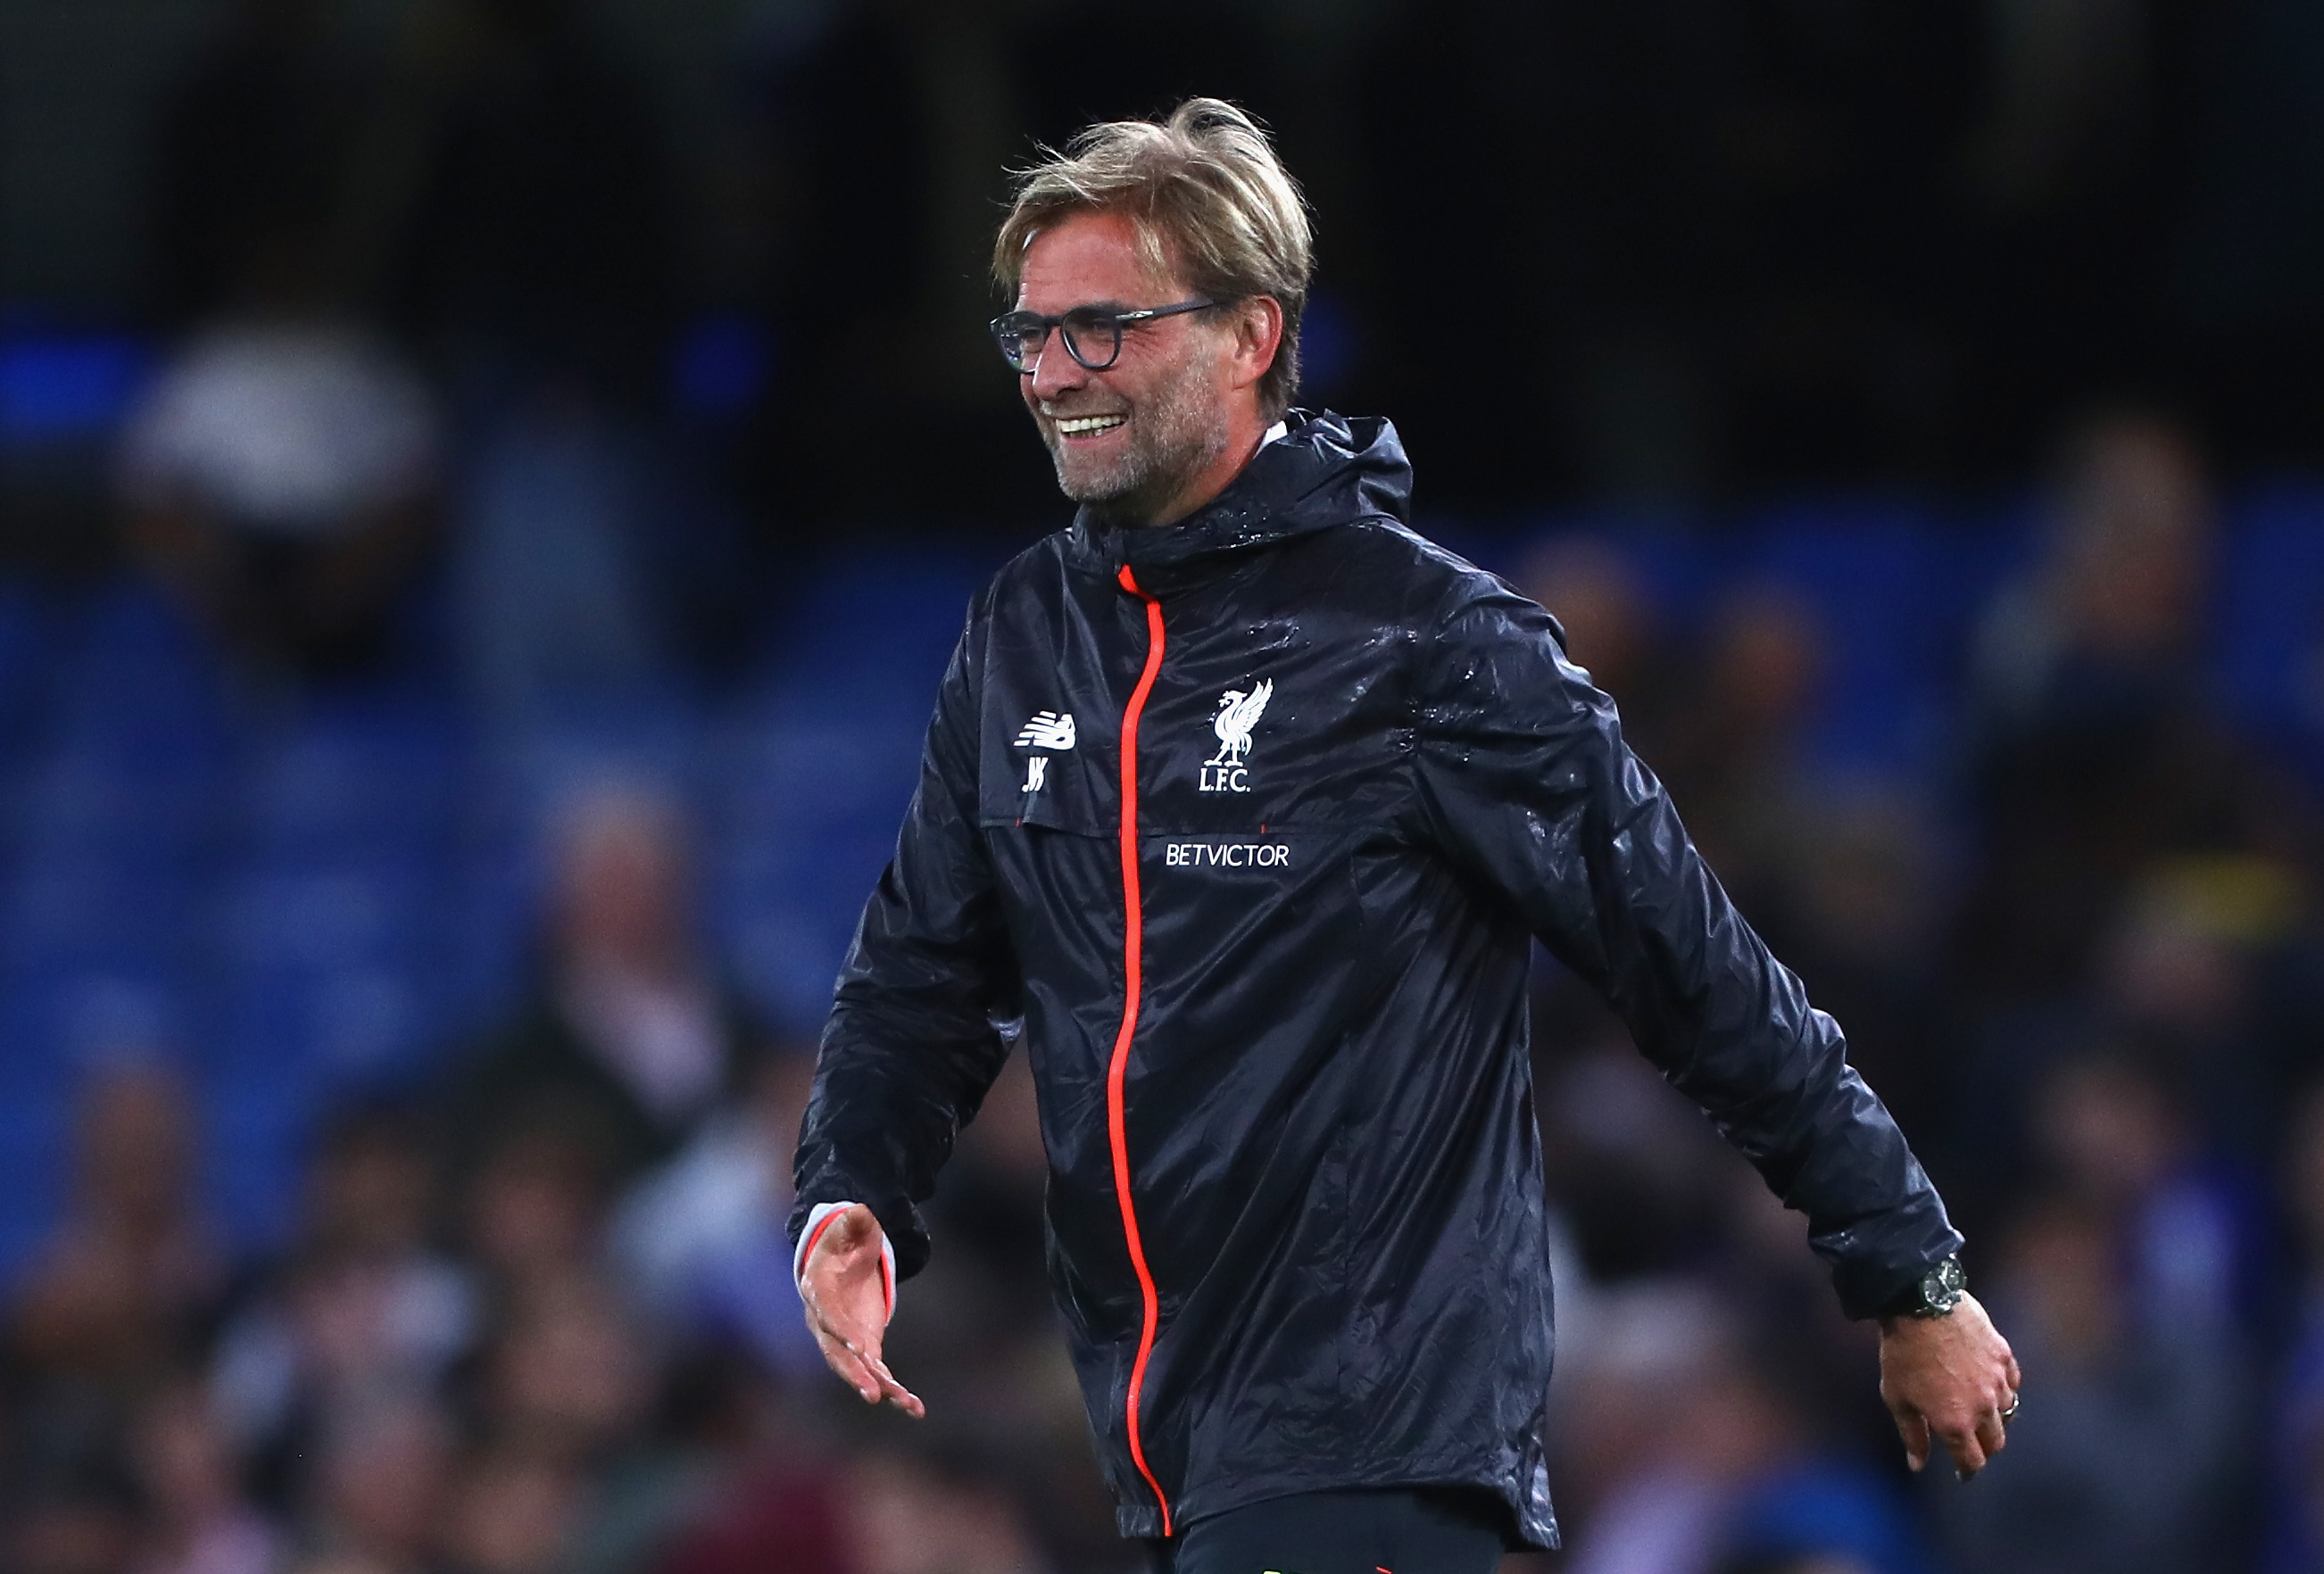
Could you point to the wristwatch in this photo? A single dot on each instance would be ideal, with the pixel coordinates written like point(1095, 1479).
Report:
point(1940, 1290)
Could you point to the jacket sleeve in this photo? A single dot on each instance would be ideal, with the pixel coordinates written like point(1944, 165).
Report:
point(1526, 786)
point(911, 1045)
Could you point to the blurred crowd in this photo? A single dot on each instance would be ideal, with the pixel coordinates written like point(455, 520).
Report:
point(536, 1313)
point(2082, 968)
point(427, 306)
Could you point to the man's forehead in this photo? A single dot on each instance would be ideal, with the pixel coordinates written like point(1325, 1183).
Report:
point(1088, 257)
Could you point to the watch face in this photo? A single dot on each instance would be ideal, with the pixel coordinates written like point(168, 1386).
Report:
point(1943, 1286)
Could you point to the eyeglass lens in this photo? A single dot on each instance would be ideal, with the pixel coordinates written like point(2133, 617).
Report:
point(1093, 337)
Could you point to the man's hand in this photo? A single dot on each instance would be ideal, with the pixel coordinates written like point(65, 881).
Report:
point(1950, 1376)
point(845, 1284)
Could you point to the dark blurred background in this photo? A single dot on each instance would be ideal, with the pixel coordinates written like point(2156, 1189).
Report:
point(487, 488)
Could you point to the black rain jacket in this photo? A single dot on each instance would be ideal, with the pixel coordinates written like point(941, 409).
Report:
point(1252, 820)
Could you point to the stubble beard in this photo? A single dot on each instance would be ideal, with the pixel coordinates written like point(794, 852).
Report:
point(1175, 434)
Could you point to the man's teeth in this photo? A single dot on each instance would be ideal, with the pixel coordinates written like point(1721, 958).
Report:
point(1076, 426)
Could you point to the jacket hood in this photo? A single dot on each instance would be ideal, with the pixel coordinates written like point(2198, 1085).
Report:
point(1328, 469)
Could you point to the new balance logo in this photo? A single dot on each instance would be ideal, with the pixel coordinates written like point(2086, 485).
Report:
point(1046, 729)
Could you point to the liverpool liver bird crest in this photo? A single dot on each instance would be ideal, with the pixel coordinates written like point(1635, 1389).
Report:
point(1239, 713)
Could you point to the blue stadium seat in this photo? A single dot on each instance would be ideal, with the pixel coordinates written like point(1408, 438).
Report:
point(325, 914)
point(1987, 549)
point(491, 925)
point(60, 387)
point(94, 803)
point(77, 909)
point(353, 779)
point(1673, 561)
point(803, 818)
point(328, 970)
point(1874, 571)
point(2270, 622)
point(261, 1130)
point(27, 653)
point(130, 766)
point(327, 1029)
point(786, 768)
point(134, 672)
point(876, 625)
point(55, 1020)
point(784, 909)
point(35, 1174)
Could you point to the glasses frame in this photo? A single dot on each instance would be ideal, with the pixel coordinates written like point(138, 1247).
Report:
point(1016, 326)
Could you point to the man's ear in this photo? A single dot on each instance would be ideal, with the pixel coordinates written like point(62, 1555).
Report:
point(1258, 337)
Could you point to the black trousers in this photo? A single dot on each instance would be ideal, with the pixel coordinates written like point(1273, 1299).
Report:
point(1430, 1530)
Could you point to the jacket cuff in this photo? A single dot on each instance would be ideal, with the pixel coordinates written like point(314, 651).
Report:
point(1875, 1289)
point(818, 1220)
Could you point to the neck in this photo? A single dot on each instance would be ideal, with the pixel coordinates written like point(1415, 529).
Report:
point(1245, 434)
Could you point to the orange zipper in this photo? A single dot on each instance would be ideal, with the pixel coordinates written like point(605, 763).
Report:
point(1133, 936)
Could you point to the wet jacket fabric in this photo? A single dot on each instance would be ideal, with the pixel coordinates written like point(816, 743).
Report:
point(1251, 822)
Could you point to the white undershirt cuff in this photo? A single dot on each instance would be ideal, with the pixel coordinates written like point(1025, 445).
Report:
point(817, 1218)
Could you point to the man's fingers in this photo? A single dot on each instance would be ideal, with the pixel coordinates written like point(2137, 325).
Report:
point(2016, 1378)
point(834, 1312)
point(1915, 1430)
point(857, 1362)
point(868, 1375)
point(847, 1365)
point(1992, 1436)
point(851, 1352)
point(897, 1394)
point(865, 1349)
point(1967, 1452)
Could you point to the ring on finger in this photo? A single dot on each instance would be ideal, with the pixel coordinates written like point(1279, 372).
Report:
point(2011, 1414)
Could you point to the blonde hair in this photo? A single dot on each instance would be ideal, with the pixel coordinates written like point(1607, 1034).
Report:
point(1210, 204)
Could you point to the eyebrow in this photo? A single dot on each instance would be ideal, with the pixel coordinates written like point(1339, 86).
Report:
point(1106, 306)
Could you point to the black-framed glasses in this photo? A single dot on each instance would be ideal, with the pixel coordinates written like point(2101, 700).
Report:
point(1093, 332)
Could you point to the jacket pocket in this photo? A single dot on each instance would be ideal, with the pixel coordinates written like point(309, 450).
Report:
point(1054, 768)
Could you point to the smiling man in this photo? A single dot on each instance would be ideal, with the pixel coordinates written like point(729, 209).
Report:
point(1248, 803)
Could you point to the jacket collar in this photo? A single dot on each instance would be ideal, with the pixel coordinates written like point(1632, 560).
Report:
point(1327, 470)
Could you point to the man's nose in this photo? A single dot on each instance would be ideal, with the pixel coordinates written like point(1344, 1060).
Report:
point(1054, 370)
